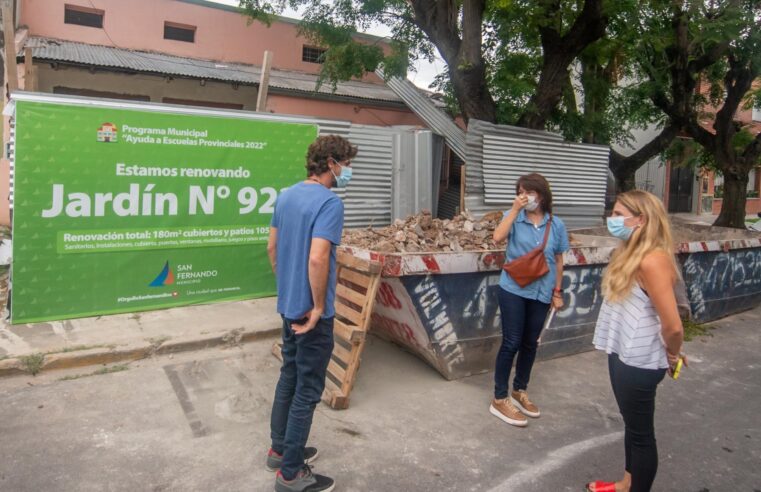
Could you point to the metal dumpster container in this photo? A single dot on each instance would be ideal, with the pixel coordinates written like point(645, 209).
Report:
point(443, 306)
point(722, 277)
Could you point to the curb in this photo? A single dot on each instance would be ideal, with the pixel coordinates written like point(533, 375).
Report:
point(98, 356)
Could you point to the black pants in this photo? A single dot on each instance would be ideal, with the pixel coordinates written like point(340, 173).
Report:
point(302, 380)
point(634, 389)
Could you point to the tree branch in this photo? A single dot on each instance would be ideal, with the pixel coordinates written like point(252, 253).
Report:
point(752, 152)
point(559, 52)
point(589, 26)
point(619, 163)
point(438, 20)
point(472, 25)
point(737, 82)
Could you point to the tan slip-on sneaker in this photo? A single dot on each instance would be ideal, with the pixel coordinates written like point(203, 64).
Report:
point(520, 400)
point(506, 411)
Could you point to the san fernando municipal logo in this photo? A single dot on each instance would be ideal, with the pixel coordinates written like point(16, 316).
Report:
point(166, 277)
point(108, 133)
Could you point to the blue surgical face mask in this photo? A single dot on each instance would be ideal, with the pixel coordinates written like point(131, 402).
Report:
point(342, 179)
point(617, 228)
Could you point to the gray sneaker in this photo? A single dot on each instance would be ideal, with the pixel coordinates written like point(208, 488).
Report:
point(305, 481)
point(274, 460)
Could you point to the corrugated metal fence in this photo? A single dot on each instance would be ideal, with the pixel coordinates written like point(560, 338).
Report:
point(367, 199)
point(498, 155)
point(434, 117)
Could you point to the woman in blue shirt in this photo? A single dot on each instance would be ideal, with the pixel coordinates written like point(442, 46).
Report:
point(524, 309)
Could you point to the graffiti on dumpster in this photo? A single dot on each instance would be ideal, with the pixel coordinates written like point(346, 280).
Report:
point(581, 288)
point(482, 306)
point(460, 315)
point(396, 319)
point(721, 283)
point(432, 309)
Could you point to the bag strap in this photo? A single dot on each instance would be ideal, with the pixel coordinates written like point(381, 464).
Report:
point(547, 232)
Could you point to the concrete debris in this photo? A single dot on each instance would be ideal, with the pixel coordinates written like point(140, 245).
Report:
point(423, 233)
point(685, 232)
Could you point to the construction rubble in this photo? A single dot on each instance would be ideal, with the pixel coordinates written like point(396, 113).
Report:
point(423, 233)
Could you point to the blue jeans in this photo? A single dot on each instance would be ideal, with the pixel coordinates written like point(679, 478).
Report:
point(302, 380)
point(522, 322)
point(634, 389)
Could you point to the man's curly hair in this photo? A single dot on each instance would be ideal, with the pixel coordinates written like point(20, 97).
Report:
point(325, 147)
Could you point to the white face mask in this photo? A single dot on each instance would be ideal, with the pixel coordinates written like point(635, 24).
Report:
point(532, 203)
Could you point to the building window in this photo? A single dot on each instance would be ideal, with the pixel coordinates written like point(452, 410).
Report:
point(718, 185)
point(756, 115)
point(752, 190)
point(179, 32)
point(72, 91)
point(203, 104)
point(311, 54)
point(83, 16)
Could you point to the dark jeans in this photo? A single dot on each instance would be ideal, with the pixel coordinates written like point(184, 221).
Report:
point(302, 380)
point(634, 389)
point(522, 322)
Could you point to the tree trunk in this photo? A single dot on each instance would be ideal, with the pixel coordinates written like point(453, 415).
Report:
point(625, 179)
point(469, 84)
point(548, 92)
point(733, 204)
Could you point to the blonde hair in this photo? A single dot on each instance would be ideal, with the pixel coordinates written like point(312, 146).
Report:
point(653, 235)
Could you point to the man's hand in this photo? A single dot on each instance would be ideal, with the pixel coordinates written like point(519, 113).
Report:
point(313, 317)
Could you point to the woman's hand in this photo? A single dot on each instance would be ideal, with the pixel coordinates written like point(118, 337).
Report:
point(520, 202)
point(557, 301)
point(503, 229)
point(674, 358)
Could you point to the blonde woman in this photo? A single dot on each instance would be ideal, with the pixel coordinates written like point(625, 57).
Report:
point(639, 328)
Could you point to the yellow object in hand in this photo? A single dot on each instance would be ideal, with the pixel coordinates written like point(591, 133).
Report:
point(677, 369)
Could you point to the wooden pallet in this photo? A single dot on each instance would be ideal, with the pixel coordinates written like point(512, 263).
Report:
point(355, 296)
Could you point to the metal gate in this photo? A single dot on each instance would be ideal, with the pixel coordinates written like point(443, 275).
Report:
point(680, 190)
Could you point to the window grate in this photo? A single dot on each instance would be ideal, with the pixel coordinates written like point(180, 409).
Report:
point(310, 54)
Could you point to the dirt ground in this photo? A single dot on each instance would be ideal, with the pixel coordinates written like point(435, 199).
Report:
point(685, 232)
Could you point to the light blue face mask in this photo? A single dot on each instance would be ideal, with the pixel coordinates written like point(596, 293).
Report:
point(342, 179)
point(617, 228)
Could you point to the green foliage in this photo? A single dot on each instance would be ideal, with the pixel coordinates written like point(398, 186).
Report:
point(688, 153)
point(693, 329)
point(32, 363)
point(335, 25)
point(685, 152)
point(618, 85)
point(99, 372)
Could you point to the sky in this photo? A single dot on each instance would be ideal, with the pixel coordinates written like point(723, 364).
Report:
point(422, 77)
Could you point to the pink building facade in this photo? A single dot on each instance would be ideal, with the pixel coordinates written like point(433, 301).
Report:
point(188, 52)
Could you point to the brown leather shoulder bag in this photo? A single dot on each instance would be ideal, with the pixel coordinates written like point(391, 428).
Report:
point(531, 266)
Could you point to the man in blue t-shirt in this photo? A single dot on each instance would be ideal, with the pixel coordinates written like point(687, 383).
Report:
point(305, 230)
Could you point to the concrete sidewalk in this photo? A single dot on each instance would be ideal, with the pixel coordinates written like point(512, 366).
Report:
point(200, 422)
point(29, 348)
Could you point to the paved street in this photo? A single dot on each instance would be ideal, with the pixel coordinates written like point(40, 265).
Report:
point(198, 421)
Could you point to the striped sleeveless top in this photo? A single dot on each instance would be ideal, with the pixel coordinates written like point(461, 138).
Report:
point(631, 328)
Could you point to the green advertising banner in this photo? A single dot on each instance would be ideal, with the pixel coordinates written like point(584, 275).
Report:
point(122, 210)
